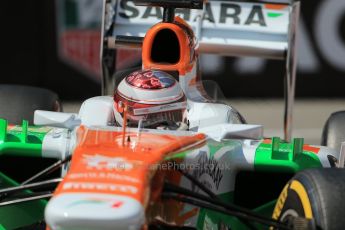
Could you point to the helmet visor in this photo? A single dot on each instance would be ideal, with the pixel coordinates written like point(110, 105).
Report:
point(152, 116)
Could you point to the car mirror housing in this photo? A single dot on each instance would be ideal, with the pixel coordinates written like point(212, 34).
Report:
point(56, 119)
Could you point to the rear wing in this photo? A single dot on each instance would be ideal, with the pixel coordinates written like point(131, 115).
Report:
point(255, 28)
point(223, 27)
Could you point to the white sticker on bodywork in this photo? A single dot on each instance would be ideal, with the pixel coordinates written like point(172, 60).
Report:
point(161, 108)
point(217, 14)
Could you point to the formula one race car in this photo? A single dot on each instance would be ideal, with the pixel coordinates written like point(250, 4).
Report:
point(160, 153)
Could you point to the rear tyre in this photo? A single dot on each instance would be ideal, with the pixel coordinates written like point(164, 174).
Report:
point(334, 130)
point(314, 194)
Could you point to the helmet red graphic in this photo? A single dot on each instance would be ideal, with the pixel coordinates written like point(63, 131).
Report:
point(152, 96)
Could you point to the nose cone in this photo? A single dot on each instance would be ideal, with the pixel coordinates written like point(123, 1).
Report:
point(90, 211)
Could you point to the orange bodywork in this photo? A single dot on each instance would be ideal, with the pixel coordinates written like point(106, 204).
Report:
point(102, 164)
point(186, 62)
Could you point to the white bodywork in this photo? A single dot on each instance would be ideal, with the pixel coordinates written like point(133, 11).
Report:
point(97, 111)
point(233, 131)
point(218, 121)
point(56, 144)
point(94, 211)
point(208, 114)
point(56, 119)
point(342, 155)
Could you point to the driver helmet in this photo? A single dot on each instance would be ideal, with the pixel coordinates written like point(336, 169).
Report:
point(152, 96)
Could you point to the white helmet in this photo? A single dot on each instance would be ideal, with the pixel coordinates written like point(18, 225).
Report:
point(152, 96)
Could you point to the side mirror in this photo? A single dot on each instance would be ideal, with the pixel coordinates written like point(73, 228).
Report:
point(56, 119)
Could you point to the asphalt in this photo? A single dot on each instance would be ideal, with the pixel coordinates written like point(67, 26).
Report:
point(310, 115)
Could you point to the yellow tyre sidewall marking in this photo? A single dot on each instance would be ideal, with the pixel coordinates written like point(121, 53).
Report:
point(302, 193)
point(280, 202)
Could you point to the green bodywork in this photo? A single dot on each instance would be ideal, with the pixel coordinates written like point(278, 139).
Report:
point(213, 220)
point(21, 140)
point(271, 156)
point(18, 215)
point(278, 156)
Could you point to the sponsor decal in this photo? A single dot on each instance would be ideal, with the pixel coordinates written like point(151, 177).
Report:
point(100, 162)
point(209, 166)
point(310, 148)
point(274, 10)
point(306, 148)
point(103, 175)
point(105, 187)
point(162, 108)
point(96, 201)
point(38, 129)
point(117, 204)
point(219, 14)
point(267, 141)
